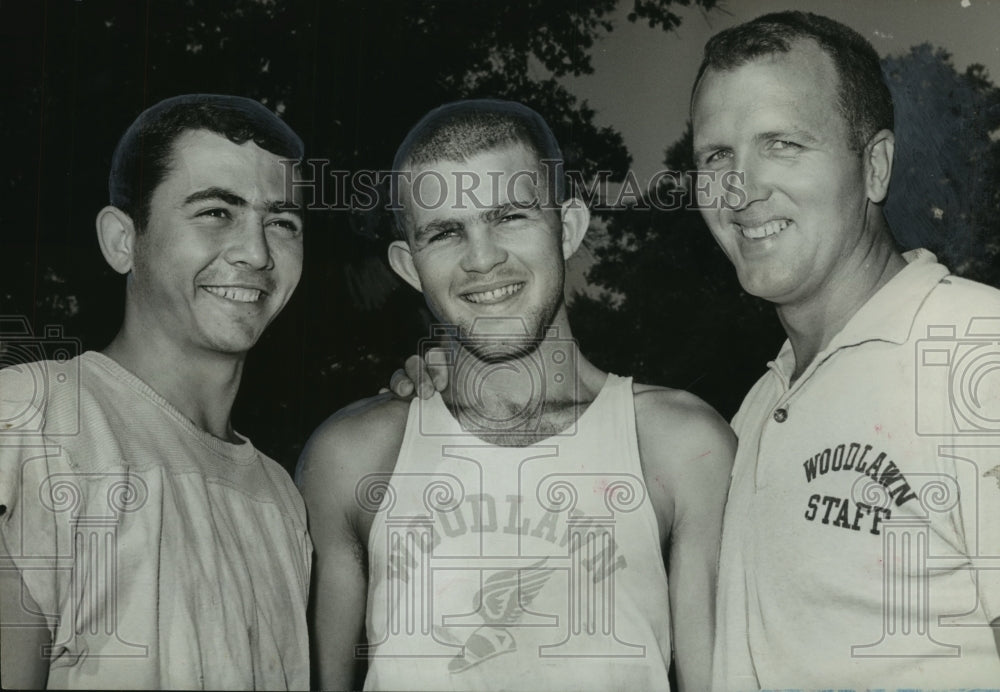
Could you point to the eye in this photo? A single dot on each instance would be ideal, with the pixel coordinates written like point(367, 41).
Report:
point(442, 235)
point(513, 216)
point(717, 156)
point(215, 213)
point(784, 145)
point(285, 224)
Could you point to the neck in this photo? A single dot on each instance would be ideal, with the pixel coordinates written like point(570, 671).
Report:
point(812, 324)
point(200, 385)
point(524, 398)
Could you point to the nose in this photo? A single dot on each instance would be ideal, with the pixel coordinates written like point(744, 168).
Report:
point(755, 187)
point(248, 246)
point(482, 252)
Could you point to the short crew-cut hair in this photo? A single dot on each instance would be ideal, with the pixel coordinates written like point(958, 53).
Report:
point(864, 98)
point(142, 158)
point(460, 130)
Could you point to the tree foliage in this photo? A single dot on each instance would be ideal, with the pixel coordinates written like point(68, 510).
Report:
point(944, 193)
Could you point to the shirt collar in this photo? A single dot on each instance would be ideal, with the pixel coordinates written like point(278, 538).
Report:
point(887, 316)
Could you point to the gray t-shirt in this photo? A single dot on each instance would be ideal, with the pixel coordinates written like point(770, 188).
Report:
point(161, 556)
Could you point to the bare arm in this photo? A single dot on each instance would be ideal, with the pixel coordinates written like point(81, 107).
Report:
point(362, 439)
point(21, 662)
point(687, 446)
point(339, 583)
point(339, 591)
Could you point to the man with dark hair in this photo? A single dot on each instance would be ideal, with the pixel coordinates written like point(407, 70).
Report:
point(511, 532)
point(862, 530)
point(142, 158)
point(145, 543)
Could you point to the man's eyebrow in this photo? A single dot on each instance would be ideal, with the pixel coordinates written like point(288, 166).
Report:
point(213, 193)
point(229, 197)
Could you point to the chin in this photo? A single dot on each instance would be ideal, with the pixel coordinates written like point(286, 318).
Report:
point(233, 345)
point(499, 350)
point(764, 284)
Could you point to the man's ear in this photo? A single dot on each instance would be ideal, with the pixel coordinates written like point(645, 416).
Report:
point(116, 235)
point(878, 165)
point(401, 261)
point(575, 221)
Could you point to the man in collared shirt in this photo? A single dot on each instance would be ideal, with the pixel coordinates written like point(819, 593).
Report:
point(862, 532)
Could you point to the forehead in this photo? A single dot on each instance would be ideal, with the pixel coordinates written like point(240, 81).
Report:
point(485, 180)
point(201, 159)
point(794, 89)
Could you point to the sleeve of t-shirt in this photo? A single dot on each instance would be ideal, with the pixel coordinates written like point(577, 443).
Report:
point(33, 492)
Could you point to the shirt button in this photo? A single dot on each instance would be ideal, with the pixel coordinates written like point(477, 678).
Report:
point(780, 415)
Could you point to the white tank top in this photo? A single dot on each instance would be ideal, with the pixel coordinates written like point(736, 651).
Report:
point(517, 568)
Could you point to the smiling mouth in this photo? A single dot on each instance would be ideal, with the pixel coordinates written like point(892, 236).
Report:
point(765, 230)
point(236, 294)
point(495, 295)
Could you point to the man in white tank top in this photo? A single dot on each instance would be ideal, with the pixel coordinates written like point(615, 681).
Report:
point(512, 531)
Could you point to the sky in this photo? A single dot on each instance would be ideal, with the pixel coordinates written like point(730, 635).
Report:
point(642, 77)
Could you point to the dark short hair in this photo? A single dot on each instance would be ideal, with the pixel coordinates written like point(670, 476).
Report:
point(142, 158)
point(459, 130)
point(863, 96)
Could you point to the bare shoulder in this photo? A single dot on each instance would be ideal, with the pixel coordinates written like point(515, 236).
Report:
point(360, 439)
point(680, 418)
point(686, 450)
point(367, 422)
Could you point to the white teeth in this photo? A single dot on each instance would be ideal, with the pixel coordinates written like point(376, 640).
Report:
point(769, 228)
point(240, 295)
point(494, 295)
